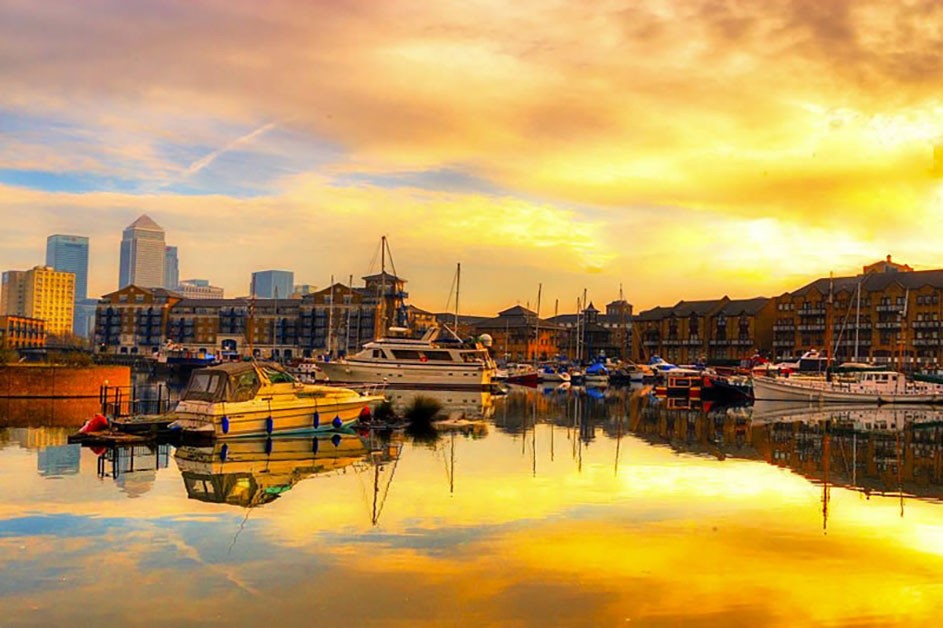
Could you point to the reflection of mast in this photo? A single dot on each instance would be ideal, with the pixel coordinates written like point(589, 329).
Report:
point(826, 495)
point(619, 441)
point(533, 441)
point(379, 501)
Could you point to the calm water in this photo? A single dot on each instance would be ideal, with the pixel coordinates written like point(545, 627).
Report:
point(557, 507)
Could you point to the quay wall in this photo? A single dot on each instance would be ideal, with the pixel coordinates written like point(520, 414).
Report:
point(55, 382)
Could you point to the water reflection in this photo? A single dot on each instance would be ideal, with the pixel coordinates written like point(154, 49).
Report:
point(254, 472)
point(572, 506)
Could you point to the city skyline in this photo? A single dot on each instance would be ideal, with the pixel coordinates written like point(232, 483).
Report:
point(754, 147)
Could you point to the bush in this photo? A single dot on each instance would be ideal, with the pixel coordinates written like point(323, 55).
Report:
point(69, 358)
point(9, 356)
point(422, 409)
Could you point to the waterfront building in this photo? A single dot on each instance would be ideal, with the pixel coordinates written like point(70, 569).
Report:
point(143, 254)
point(517, 335)
point(718, 330)
point(171, 268)
point(199, 289)
point(133, 320)
point(591, 334)
point(421, 321)
point(41, 292)
point(888, 314)
point(21, 332)
point(272, 284)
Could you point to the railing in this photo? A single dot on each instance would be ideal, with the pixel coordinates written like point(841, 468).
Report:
point(122, 401)
point(811, 311)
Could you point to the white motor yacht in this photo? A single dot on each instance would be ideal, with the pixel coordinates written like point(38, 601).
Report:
point(432, 361)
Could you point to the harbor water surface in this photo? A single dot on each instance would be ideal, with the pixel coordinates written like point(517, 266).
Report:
point(556, 507)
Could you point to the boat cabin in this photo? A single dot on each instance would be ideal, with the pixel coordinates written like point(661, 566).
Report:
point(233, 382)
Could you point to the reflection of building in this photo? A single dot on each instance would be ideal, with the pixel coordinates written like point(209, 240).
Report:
point(59, 460)
point(134, 467)
point(143, 254)
point(43, 293)
point(874, 450)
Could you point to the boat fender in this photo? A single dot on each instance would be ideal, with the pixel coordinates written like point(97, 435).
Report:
point(224, 423)
point(96, 424)
point(268, 446)
point(314, 445)
point(223, 452)
point(336, 422)
point(336, 440)
point(365, 414)
point(269, 425)
point(316, 420)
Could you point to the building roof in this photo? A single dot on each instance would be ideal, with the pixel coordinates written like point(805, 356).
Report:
point(145, 222)
point(874, 282)
point(654, 314)
point(699, 308)
point(383, 274)
point(517, 310)
point(749, 307)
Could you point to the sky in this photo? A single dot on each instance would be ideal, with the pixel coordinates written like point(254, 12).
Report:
point(681, 150)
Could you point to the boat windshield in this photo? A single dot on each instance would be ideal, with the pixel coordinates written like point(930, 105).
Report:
point(205, 385)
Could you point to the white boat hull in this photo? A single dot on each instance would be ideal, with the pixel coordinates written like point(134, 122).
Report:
point(822, 391)
point(451, 376)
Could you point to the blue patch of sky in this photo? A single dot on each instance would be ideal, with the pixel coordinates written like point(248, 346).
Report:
point(253, 168)
point(72, 182)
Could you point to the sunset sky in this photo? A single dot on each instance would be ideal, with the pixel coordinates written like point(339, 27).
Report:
point(685, 149)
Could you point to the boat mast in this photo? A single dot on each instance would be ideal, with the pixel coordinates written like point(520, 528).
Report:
point(540, 288)
point(578, 335)
point(828, 325)
point(381, 309)
point(858, 317)
point(458, 283)
point(349, 304)
point(330, 322)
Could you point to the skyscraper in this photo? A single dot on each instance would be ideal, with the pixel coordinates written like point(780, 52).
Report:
point(271, 284)
point(171, 268)
point(143, 252)
point(69, 253)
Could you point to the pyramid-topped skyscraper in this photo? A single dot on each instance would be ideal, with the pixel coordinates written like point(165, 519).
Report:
point(142, 254)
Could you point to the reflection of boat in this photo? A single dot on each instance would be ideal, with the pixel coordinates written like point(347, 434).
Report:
point(432, 360)
point(596, 374)
point(521, 374)
point(252, 399)
point(255, 471)
point(549, 373)
point(860, 417)
point(680, 384)
point(861, 387)
point(455, 404)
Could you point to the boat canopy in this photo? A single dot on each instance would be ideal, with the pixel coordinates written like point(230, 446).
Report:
point(232, 382)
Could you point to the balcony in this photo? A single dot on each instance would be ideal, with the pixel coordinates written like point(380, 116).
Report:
point(811, 311)
point(718, 342)
point(783, 343)
point(926, 324)
point(888, 325)
point(889, 307)
point(743, 342)
point(926, 342)
point(784, 327)
point(693, 342)
point(815, 327)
